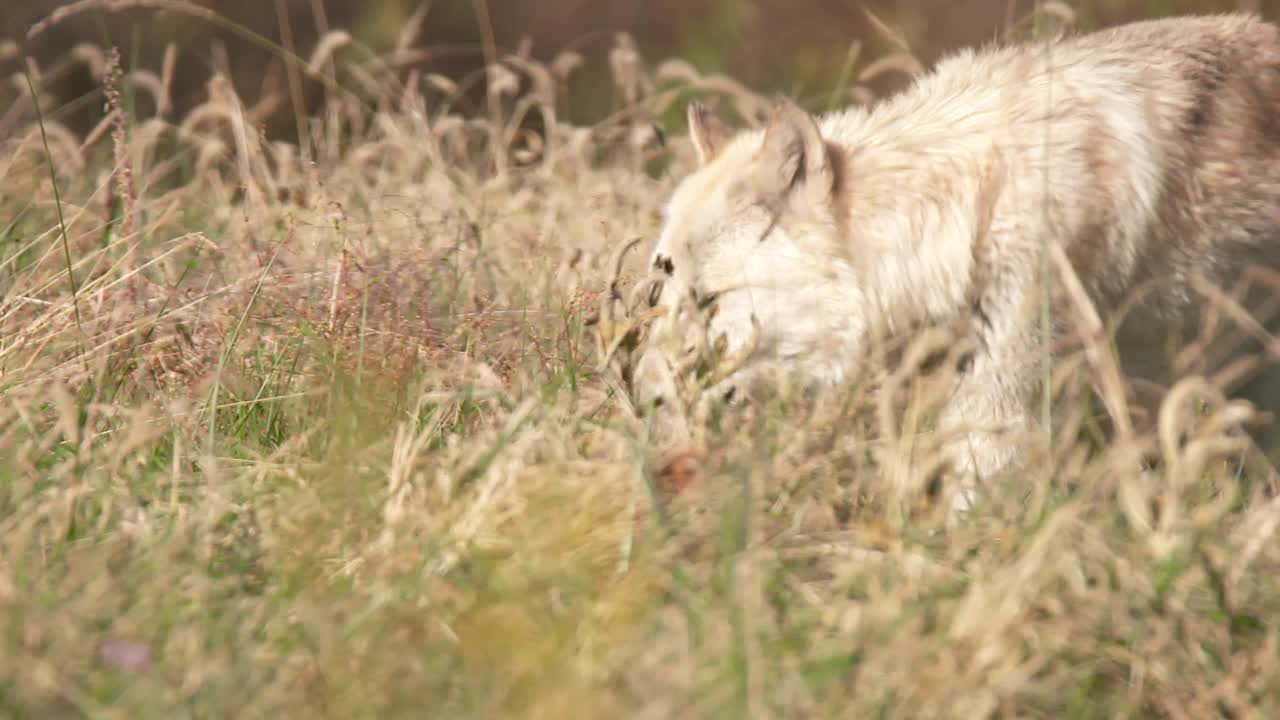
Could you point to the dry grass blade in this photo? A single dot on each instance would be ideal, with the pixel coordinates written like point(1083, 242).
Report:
point(896, 38)
point(326, 49)
point(1093, 333)
point(905, 63)
point(316, 428)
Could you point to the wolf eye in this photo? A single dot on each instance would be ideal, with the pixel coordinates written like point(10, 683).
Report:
point(663, 263)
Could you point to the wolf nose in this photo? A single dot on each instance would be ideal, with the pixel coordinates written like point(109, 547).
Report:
point(655, 292)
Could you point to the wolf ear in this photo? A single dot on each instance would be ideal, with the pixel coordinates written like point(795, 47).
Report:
point(709, 133)
point(793, 156)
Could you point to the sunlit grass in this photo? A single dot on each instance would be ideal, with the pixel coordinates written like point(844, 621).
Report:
point(334, 439)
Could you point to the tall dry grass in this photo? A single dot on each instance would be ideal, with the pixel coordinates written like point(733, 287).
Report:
point(339, 429)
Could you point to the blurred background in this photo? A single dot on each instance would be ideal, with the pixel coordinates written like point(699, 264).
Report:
point(798, 47)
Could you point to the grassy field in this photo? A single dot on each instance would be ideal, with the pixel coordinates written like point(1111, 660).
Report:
point(327, 431)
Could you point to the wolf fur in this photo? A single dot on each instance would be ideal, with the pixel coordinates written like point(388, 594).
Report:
point(1148, 152)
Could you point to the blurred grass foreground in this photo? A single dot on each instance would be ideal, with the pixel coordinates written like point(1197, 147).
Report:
point(317, 424)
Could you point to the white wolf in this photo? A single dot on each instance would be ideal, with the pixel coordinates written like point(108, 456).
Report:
point(1149, 153)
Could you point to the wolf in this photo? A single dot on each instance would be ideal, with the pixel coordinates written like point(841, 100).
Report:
point(1147, 154)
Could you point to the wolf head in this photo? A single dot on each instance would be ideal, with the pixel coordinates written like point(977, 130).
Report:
point(749, 188)
point(751, 231)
